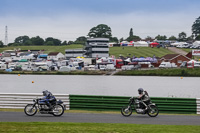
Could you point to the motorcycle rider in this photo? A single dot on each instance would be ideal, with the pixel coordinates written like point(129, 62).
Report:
point(48, 98)
point(144, 97)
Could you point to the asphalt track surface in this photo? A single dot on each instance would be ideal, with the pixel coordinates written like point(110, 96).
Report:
point(102, 118)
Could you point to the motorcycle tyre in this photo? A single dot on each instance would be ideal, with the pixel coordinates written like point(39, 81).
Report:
point(61, 112)
point(28, 113)
point(148, 111)
point(130, 111)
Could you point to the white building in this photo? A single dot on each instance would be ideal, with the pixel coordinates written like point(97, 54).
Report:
point(97, 47)
point(55, 56)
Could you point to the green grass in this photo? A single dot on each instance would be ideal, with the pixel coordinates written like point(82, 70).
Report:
point(116, 51)
point(58, 127)
point(47, 49)
point(139, 51)
point(163, 72)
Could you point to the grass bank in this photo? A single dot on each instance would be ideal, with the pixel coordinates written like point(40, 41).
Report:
point(163, 72)
point(139, 51)
point(41, 127)
point(116, 51)
point(47, 49)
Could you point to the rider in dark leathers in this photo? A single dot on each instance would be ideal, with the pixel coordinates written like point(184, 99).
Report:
point(48, 98)
point(144, 97)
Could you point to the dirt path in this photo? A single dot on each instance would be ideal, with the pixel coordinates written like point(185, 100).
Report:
point(176, 50)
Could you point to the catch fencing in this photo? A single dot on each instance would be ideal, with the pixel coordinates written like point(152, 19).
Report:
point(20, 100)
point(114, 103)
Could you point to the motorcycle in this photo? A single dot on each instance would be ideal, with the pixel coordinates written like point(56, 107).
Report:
point(138, 106)
point(39, 104)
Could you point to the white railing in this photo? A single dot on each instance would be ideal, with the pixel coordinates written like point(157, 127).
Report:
point(20, 100)
point(198, 105)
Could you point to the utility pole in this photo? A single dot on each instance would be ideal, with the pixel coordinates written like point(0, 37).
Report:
point(6, 36)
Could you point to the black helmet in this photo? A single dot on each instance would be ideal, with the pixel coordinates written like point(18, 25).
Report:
point(140, 90)
point(45, 93)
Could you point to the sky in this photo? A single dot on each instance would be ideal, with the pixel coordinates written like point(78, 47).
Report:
point(70, 19)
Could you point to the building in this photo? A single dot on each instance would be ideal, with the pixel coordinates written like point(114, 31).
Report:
point(97, 47)
point(73, 53)
point(175, 58)
point(55, 56)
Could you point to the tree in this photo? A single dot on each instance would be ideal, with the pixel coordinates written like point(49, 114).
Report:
point(28, 43)
point(37, 40)
point(49, 43)
point(132, 37)
point(159, 37)
point(52, 41)
point(196, 27)
point(100, 30)
point(70, 42)
point(21, 39)
point(172, 38)
point(148, 38)
point(131, 32)
point(81, 40)
point(182, 36)
point(198, 38)
point(114, 39)
point(1, 44)
point(64, 43)
point(121, 39)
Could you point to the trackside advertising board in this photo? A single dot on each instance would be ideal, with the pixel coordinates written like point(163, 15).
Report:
point(196, 52)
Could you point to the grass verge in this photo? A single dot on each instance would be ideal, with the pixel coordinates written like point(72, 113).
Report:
point(163, 72)
point(57, 127)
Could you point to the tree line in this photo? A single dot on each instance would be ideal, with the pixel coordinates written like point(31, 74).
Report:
point(102, 30)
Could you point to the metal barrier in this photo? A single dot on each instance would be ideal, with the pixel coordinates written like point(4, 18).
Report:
point(107, 103)
point(165, 105)
point(198, 105)
point(20, 100)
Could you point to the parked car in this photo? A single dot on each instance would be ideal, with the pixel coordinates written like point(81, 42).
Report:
point(195, 46)
point(167, 65)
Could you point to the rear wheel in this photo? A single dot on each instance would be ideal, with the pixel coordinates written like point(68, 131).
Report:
point(126, 111)
point(153, 111)
point(58, 110)
point(30, 110)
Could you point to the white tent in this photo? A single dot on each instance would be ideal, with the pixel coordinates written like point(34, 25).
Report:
point(141, 44)
point(192, 61)
point(196, 43)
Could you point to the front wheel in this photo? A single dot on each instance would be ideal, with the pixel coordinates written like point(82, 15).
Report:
point(30, 110)
point(126, 111)
point(153, 111)
point(58, 110)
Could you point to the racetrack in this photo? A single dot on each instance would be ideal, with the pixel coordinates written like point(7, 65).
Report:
point(102, 118)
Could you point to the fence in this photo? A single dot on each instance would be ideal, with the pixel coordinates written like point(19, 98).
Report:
point(20, 100)
point(165, 105)
point(198, 105)
point(107, 103)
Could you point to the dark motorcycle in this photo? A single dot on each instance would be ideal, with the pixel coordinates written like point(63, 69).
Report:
point(138, 106)
point(39, 104)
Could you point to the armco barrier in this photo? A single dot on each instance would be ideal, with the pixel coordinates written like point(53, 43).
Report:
point(20, 100)
point(198, 105)
point(111, 103)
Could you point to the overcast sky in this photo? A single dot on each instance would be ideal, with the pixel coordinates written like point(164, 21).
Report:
point(69, 19)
